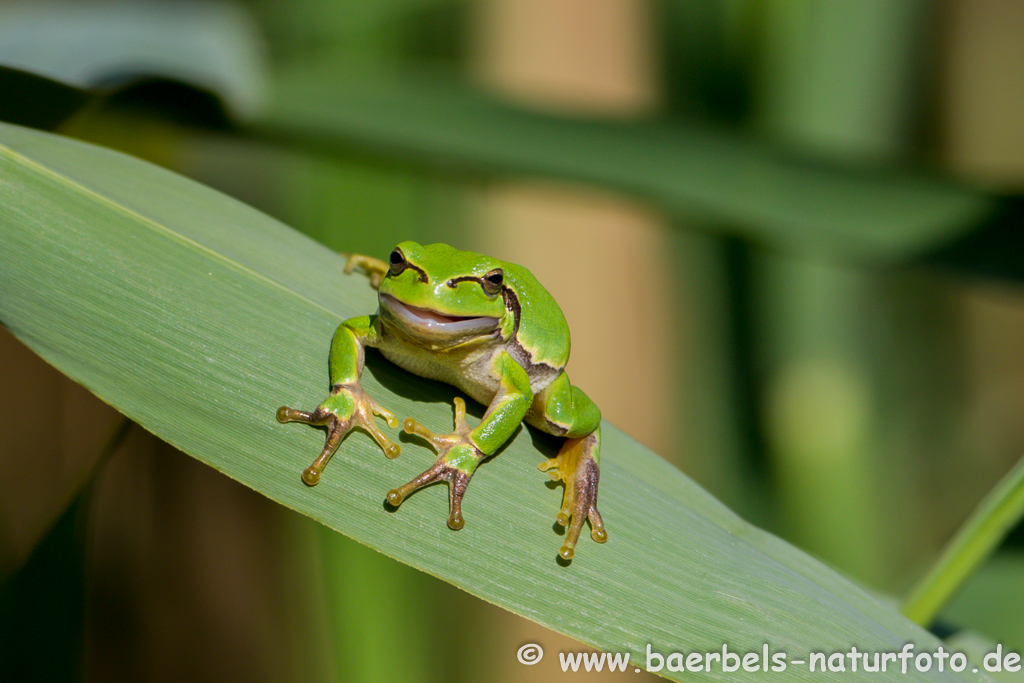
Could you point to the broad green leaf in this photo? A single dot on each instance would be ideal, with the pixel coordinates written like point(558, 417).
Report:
point(744, 187)
point(994, 655)
point(197, 317)
point(90, 49)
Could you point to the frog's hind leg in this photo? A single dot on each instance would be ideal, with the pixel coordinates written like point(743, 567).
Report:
point(576, 467)
point(564, 410)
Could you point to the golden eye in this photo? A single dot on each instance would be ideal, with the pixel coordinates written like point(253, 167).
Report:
point(397, 262)
point(493, 281)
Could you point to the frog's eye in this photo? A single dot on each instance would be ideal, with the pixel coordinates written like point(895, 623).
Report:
point(398, 262)
point(493, 281)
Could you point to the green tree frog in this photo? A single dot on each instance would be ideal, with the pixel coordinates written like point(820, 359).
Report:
point(488, 328)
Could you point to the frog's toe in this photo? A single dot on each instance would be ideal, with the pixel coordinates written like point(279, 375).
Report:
point(576, 467)
point(456, 490)
point(286, 414)
point(380, 410)
point(442, 442)
point(318, 418)
point(374, 268)
point(336, 430)
point(586, 509)
point(597, 530)
point(348, 406)
point(440, 471)
point(457, 458)
point(565, 513)
point(455, 520)
point(391, 449)
point(430, 476)
point(411, 426)
point(551, 467)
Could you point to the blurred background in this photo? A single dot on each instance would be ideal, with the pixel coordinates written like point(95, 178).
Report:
point(855, 390)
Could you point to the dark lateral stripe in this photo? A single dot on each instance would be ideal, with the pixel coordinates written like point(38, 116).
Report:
point(536, 371)
point(512, 304)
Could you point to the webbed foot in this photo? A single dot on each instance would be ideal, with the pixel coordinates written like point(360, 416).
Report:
point(576, 466)
point(347, 407)
point(457, 458)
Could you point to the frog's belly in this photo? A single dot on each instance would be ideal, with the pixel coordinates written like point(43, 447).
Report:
point(470, 372)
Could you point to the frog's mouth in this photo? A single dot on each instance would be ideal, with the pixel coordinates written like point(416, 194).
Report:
point(436, 323)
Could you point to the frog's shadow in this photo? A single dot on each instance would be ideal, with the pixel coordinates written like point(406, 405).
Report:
point(423, 390)
point(410, 386)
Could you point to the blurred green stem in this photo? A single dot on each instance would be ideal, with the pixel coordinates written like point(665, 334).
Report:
point(972, 544)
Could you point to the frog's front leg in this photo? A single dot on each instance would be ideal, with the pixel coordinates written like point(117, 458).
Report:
point(348, 406)
point(374, 268)
point(564, 409)
point(460, 452)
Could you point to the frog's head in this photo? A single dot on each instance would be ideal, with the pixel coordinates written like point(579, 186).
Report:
point(442, 297)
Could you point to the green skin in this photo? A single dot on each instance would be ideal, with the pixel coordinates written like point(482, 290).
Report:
point(490, 329)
